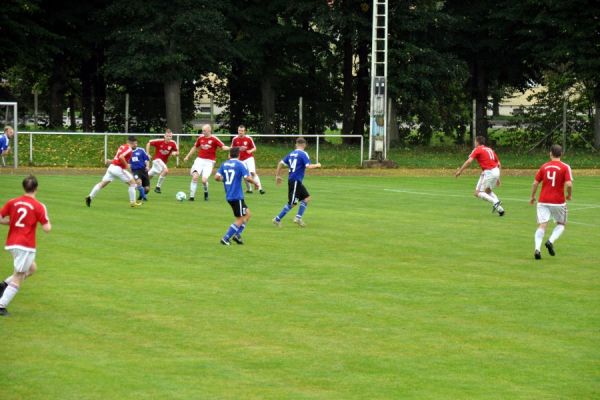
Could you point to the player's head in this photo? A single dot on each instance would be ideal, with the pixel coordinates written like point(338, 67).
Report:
point(9, 131)
point(30, 184)
point(234, 152)
point(556, 151)
point(132, 140)
point(480, 140)
point(241, 130)
point(301, 142)
point(206, 130)
point(168, 134)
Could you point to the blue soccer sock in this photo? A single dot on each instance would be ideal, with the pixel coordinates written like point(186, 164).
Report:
point(142, 192)
point(301, 209)
point(233, 229)
point(284, 211)
point(241, 229)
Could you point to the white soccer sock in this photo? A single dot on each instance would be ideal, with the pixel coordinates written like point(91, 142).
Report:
point(131, 194)
point(493, 196)
point(9, 293)
point(95, 190)
point(486, 197)
point(257, 180)
point(558, 230)
point(160, 181)
point(7, 280)
point(248, 187)
point(193, 188)
point(205, 187)
point(539, 237)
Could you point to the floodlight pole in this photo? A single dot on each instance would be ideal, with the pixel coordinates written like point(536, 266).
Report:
point(379, 57)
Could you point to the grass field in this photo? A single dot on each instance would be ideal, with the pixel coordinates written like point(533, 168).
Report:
point(399, 288)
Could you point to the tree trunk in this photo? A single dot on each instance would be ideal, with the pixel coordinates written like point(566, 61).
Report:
point(57, 93)
point(362, 92)
point(480, 93)
point(172, 90)
point(267, 103)
point(347, 90)
point(236, 91)
point(496, 106)
point(73, 122)
point(87, 71)
point(99, 91)
point(597, 123)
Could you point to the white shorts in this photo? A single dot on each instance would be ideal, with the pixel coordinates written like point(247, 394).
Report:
point(22, 259)
point(558, 212)
point(250, 164)
point(203, 166)
point(116, 172)
point(158, 166)
point(488, 179)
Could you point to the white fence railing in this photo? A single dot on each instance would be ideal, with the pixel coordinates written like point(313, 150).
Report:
point(108, 152)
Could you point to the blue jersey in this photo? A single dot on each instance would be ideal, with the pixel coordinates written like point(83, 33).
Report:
point(138, 159)
point(233, 172)
point(297, 161)
point(3, 143)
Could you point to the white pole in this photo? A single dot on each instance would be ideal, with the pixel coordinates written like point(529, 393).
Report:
point(126, 112)
point(16, 124)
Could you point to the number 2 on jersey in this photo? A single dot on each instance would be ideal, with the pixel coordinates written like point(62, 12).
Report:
point(23, 213)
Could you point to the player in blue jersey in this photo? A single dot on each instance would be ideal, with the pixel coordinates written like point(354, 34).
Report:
point(140, 164)
point(297, 162)
point(5, 140)
point(232, 172)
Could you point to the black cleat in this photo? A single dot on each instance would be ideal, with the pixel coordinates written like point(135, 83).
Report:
point(3, 285)
point(249, 191)
point(550, 248)
point(191, 199)
point(88, 201)
point(261, 191)
point(537, 255)
point(237, 239)
point(157, 190)
point(205, 196)
point(4, 312)
point(225, 242)
point(501, 213)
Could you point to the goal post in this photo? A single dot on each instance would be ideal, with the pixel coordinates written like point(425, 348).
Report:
point(15, 126)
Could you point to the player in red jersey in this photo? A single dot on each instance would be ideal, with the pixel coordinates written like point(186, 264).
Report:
point(247, 149)
point(490, 175)
point(163, 148)
point(118, 168)
point(554, 176)
point(206, 145)
point(22, 214)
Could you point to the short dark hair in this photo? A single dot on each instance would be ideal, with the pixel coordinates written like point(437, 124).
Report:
point(234, 152)
point(132, 139)
point(300, 140)
point(30, 184)
point(556, 150)
point(241, 126)
point(480, 139)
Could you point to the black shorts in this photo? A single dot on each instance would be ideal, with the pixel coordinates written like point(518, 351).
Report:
point(296, 192)
point(142, 175)
point(239, 207)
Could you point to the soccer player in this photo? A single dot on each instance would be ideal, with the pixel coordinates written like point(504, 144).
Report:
point(206, 145)
point(554, 176)
point(490, 175)
point(140, 163)
point(118, 169)
point(231, 173)
point(5, 140)
point(297, 162)
point(163, 148)
point(247, 149)
point(22, 214)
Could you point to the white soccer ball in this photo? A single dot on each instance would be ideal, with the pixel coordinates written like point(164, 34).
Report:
point(180, 196)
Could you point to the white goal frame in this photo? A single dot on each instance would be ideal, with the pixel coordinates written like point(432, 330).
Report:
point(15, 127)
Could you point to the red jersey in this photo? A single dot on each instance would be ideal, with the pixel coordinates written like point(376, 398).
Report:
point(208, 147)
point(24, 212)
point(485, 156)
point(124, 150)
point(244, 141)
point(163, 149)
point(553, 176)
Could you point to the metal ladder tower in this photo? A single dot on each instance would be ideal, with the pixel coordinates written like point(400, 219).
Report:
point(379, 63)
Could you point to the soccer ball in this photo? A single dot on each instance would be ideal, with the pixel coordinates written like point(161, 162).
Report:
point(180, 196)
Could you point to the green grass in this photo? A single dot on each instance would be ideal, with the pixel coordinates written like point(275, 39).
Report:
point(399, 288)
point(88, 151)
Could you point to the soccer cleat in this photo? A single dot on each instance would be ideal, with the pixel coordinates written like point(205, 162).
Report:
point(3, 285)
point(249, 191)
point(495, 207)
point(205, 196)
point(299, 222)
point(191, 199)
point(261, 191)
point(237, 239)
point(537, 255)
point(88, 201)
point(550, 248)
point(225, 242)
point(501, 213)
point(4, 312)
point(276, 222)
point(135, 204)
point(157, 190)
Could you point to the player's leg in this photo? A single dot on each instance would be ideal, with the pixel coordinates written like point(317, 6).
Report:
point(106, 179)
point(206, 172)
point(160, 167)
point(129, 180)
point(480, 189)
point(161, 177)
point(302, 194)
point(237, 208)
point(543, 216)
point(23, 261)
point(292, 200)
point(194, 185)
point(559, 213)
point(243, 220)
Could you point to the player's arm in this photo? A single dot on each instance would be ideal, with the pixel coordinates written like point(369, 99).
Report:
point(218, 177)
point(278, 172)
point(47, 227)
point(192, 150)
point(534, 189)
point(569, 185)
point(122, 158)
point(462, 167)
point(313, 166)
point(5, 220)
point(148, 147)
